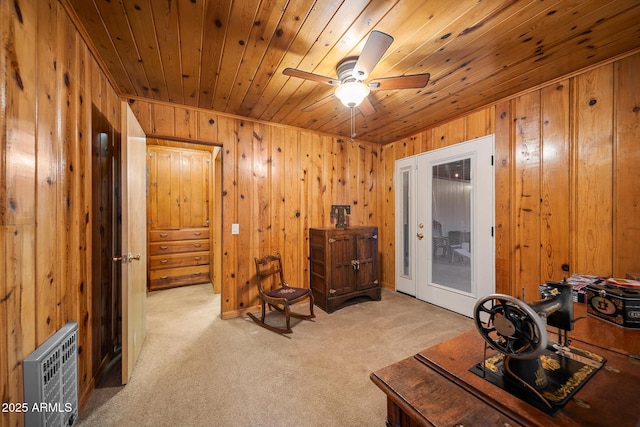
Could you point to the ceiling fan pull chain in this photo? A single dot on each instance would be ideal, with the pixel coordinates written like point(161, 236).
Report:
point(353, 128)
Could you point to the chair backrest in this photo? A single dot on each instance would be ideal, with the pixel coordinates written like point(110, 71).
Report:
point(455, 238)
point(437, 229)
point(269, 273)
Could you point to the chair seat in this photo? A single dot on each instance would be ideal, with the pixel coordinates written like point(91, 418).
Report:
point(288, 293)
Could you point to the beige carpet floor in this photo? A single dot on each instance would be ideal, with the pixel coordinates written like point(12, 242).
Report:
point(198, 370)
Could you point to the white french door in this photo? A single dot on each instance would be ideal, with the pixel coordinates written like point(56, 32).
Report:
point(445, 249)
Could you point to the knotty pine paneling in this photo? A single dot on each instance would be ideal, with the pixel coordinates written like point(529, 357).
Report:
point(386, 206)
point(17, 214)
point(525, 191)
point(565, 196)
point(246, 214)
point(555, 156)
point(47, 267)
point(503, 161)
point(48, 83)
point(228, 131)
point(626, 191)
point(593, 172)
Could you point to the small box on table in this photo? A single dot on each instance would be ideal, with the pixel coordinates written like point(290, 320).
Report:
point(616, 301)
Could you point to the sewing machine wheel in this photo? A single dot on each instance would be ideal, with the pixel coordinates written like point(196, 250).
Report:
point(512, 328)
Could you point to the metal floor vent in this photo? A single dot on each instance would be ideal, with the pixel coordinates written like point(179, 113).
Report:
point(51, 380)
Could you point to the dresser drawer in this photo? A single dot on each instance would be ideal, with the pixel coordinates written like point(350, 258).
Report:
point(170, 277)
point(183, 234)
point(161, 248)
point(178, 260)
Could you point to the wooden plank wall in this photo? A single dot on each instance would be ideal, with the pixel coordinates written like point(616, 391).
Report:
point(566, 197)
point(277, 182)
point(48, 83)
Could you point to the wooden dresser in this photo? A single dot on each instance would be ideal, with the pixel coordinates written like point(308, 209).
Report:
point(178, 257)
point(178, 216)
point(344, 265)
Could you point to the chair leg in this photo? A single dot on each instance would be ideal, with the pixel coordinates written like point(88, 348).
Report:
point(287, 314)
point(286, 311)
point(262, 322)
point(264, 314)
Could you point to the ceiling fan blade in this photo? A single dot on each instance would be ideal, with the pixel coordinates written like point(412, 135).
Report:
point(366, 107)
point(310, 76)
point(319, 103)
point(415, 81)
point(376, 45)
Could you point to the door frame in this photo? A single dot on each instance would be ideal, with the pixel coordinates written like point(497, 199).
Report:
point(418, 283)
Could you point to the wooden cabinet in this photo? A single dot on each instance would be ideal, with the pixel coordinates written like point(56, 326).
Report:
point(178, 216)
point(344, 265)
point(179, 187)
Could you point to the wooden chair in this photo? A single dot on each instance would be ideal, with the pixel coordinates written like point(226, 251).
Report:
point(277, 294)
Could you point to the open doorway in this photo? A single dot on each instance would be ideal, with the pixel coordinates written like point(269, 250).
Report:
point(106, 300)
point(183, 214)
point(118, 242)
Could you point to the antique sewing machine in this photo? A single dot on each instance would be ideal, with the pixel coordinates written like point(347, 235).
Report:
point(528, 365)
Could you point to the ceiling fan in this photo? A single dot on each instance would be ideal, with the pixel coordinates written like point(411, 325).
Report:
point(351, 73)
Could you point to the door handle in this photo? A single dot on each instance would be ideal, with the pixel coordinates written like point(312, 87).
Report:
point(136, 257)
point(420, 236)
point(122, 259)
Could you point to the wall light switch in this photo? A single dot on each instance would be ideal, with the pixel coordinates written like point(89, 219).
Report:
point(235, 228)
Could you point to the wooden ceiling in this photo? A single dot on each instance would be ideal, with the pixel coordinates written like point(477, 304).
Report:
point(228, 55)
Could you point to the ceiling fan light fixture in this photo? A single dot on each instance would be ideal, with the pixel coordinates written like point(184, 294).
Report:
point(351, 94)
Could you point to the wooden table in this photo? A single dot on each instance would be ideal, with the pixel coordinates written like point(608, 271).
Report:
point(435, 386)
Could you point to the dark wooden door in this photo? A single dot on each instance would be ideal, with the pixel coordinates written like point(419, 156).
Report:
point(367, 258)
point(342, 254)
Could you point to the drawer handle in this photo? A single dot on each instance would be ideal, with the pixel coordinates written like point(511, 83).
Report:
point(164, 247)
point(164, 234)
point(164, 261)
point(164, 277)
point(197, 273)
point(197, 258)
point(197, 233)
point(197, 245)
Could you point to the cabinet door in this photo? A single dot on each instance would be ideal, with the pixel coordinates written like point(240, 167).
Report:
point(342, 271)
point(164, 189)
point(196, 172)
point(367, 255)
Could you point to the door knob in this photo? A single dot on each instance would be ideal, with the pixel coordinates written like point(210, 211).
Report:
point(420, 236)
point(122, 258)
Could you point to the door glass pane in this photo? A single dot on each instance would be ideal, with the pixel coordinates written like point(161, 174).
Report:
point(451, 229)
point(406, 258)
